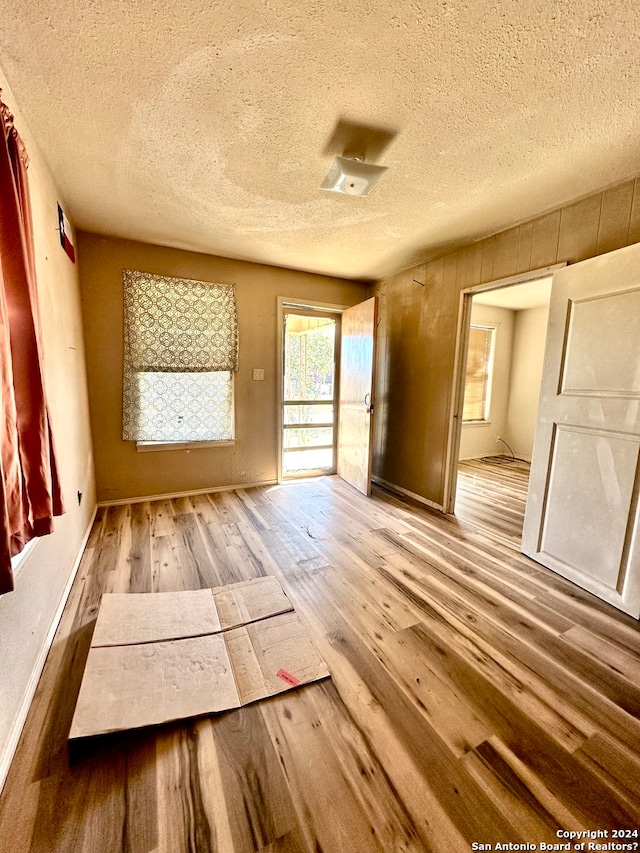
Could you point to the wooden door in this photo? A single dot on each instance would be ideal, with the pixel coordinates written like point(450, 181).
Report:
point(357, 359)
point(582, 510)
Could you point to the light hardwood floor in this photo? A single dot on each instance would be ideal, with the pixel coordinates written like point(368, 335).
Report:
point(475, 696)
point(491, 496)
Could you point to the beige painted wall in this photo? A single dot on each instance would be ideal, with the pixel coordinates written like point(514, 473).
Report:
point(26, 614)
point(480, 439)
point(417, 330)
point(529, 336)
point(121, 471)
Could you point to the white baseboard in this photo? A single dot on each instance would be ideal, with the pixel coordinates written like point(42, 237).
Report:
point(170, 495)
point(406, 493)
point(6, 757)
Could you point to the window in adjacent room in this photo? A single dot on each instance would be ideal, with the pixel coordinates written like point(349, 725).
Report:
point(180, 353)
point(477, 389)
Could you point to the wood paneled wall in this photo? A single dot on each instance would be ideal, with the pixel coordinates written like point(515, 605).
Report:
point(417, 325)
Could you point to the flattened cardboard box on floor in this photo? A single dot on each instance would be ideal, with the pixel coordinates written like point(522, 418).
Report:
point(157, 657)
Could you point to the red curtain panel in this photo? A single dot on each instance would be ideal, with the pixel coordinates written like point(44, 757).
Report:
point(30, 489)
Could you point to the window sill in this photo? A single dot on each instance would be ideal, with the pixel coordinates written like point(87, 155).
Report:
point(476, 423)
point(182, 445)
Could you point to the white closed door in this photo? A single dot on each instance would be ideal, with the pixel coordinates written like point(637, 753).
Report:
point(582, 516)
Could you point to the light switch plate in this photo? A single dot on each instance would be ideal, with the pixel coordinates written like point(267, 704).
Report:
point(258, 373)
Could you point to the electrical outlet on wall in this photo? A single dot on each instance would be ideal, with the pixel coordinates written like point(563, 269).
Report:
point(258, 374)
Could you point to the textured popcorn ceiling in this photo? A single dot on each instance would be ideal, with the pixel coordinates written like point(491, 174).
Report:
point(210, 125)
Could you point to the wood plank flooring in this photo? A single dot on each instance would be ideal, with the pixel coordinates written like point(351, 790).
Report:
point(491, 495)
point(475, 696)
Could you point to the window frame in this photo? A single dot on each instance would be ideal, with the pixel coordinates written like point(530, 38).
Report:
point(153, 350)
point(152, 446)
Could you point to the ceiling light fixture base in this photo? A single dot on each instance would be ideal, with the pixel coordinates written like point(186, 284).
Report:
point(352, 176)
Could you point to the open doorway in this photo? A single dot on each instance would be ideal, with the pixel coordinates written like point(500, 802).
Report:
point(326, 390)
point(310, 389)
point(501, 354)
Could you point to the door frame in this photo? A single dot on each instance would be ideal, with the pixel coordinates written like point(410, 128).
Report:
point(459, 369)
point(303, 305)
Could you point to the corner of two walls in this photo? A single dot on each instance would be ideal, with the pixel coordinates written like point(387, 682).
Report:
point(530, 332)
point(418, 326)
point(122, 473)
point(28, 615)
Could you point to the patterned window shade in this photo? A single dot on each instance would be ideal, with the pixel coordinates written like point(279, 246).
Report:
point(180, 348)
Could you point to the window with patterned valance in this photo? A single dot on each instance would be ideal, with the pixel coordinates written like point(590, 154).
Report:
point(180, 352)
